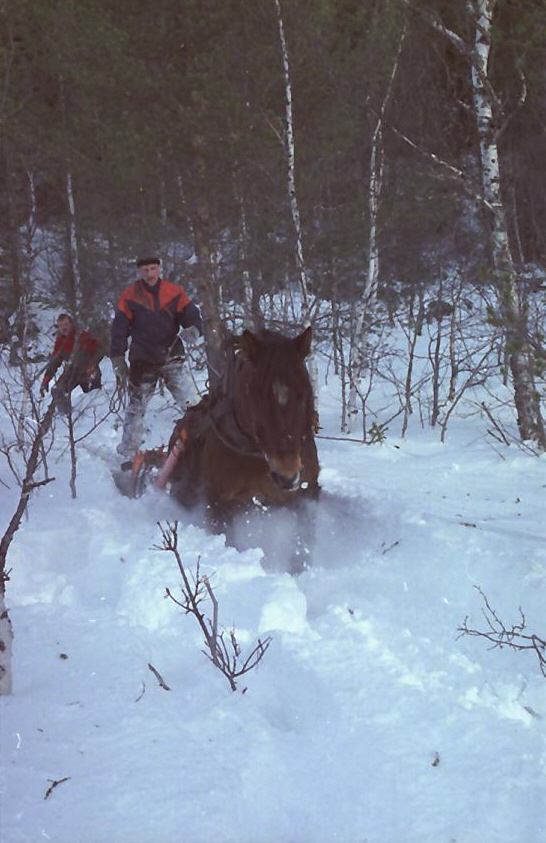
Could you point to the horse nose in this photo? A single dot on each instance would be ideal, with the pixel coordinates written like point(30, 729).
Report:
point(289, 484)
point(285, 470)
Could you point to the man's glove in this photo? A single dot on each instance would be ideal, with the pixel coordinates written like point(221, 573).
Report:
point(192, 337)
point(121, 371)
point(44, 387)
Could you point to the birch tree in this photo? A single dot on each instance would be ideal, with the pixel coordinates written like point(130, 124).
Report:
point(490, 121)
point(292, 194)
point(32, 462)
point(291, 171)
point(368, 299)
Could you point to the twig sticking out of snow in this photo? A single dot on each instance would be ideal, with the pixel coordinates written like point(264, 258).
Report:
point(54, 784)
point(501, 636)
point(224, 654)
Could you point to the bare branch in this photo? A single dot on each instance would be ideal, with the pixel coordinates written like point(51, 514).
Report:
point(224, 654)
point(499, 635)
point(54, 784)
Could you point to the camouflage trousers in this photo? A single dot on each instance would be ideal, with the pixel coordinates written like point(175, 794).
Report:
point(143, 380)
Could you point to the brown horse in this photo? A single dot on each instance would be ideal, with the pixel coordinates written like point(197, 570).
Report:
point(255, 442)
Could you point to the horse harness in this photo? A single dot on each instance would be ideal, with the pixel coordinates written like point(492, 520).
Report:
point(217, 412)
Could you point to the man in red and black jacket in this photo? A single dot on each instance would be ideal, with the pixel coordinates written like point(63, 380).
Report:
point(80, 352)
point(151, 312)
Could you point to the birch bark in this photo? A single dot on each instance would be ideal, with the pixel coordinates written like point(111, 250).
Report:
point(74, 262)
point(209, 287)
point(291, 170)
point(250, 319)
point(74, 275)
point(367, 302)
point(512, 307)
point(489, 118)
point(292, 194)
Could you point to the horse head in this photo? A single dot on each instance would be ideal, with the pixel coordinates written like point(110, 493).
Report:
point(273, 399)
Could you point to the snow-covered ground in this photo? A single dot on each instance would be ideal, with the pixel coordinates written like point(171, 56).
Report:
point(368, 719)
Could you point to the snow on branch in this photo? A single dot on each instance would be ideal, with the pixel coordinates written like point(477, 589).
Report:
point(222, 648)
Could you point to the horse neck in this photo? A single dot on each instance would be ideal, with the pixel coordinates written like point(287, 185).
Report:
point(240, 396)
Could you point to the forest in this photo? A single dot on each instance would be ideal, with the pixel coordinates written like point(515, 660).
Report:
point(373, 169)
point(382, 161)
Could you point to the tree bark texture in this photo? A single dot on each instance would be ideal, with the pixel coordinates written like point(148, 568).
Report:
point(521, 361)
point(369, 295)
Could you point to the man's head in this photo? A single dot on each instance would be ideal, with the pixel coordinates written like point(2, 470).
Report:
point(149, 269)
point(65, 323)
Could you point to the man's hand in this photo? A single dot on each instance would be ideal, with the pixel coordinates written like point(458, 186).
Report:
point(44, 387)
point(121, 371)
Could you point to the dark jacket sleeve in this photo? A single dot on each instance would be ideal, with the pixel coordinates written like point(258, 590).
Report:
point(55, 362)
point(52, 368)
point(121, 330)
point(191, 317)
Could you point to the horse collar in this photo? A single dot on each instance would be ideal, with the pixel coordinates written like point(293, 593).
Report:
point(228, 430)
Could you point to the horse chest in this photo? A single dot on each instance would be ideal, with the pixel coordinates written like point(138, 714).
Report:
point(227, 476)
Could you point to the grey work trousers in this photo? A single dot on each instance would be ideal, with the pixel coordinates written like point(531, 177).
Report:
point(143, 379)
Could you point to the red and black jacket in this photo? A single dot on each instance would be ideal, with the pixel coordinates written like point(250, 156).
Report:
point(81, 348)
point(152, 317)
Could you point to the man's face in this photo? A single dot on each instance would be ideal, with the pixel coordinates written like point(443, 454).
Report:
point(64, 326)
point(149, 272)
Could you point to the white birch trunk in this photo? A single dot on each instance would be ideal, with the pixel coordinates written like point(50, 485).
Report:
point(247, 285)
point(521, 362)
point(248, 315)
point(292, 195)
point(32, 202)
point(162, 184)
point(291, 164)
point(73, 252)
point(368, 300)
point(27, 384)
point(73, 240)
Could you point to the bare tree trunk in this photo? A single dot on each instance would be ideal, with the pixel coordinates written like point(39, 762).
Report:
point(436, 361)
point(293, 197)
point(6, 630)
point(73, 258)
point(11, 225)
point(368, 299)
point(414, 327)
point(249, 320)
point(490, 120)
point(291, 165)
point(162, 190)
point(209, 289)
point(72, 446)
point(6, 643)
point(521, 361)
point(73, 251)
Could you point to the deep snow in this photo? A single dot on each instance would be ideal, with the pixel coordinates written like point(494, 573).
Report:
point(369, 719)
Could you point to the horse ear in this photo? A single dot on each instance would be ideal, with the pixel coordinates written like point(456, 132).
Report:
point(250, 345)
point(303, 342)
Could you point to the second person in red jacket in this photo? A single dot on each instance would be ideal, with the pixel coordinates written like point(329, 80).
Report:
point(150, 313)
